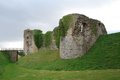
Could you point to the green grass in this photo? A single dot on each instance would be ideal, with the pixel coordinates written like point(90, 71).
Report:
point(102, 62)
point(14, 72)
point(105, 54)
point(38, 60)
point(3, 62)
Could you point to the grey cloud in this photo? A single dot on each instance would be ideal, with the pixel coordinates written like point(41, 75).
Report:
point(16, 14)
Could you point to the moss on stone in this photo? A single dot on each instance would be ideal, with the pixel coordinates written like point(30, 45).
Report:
point(38, 38)
point(64, 24)
point(93, 26)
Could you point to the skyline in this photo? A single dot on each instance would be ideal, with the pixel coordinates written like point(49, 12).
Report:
point(18, 15)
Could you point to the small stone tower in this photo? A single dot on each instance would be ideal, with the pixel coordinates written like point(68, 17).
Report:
point(29, 45)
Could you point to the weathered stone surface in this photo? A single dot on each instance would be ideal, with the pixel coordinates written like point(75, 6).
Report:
point(29, 44)
point(81, 35)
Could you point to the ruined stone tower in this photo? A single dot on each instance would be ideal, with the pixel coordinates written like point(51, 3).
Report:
point(81, 33)
point(29, 45)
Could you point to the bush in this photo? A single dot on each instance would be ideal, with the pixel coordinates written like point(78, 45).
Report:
point(21, 53)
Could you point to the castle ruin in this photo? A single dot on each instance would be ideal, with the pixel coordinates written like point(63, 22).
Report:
point(74, 36)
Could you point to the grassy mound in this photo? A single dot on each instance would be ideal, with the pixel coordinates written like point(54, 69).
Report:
point(105, 54)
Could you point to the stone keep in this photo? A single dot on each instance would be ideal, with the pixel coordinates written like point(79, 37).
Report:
point(82, 33)
point(29, 45)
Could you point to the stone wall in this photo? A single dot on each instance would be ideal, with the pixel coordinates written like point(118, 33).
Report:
point(13, 56)
point(29, 43)
point(81, 35)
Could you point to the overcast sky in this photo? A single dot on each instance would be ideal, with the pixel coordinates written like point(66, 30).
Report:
point(17, 15)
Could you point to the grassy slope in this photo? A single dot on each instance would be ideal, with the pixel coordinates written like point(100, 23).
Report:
point(105, 54)
point(14, 72)
point(3, 62)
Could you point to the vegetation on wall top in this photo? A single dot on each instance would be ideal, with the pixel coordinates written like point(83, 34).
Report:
point(48, 38)
point(38, 38)
point(59, 31)
point(64, 24)
point(57, 36)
